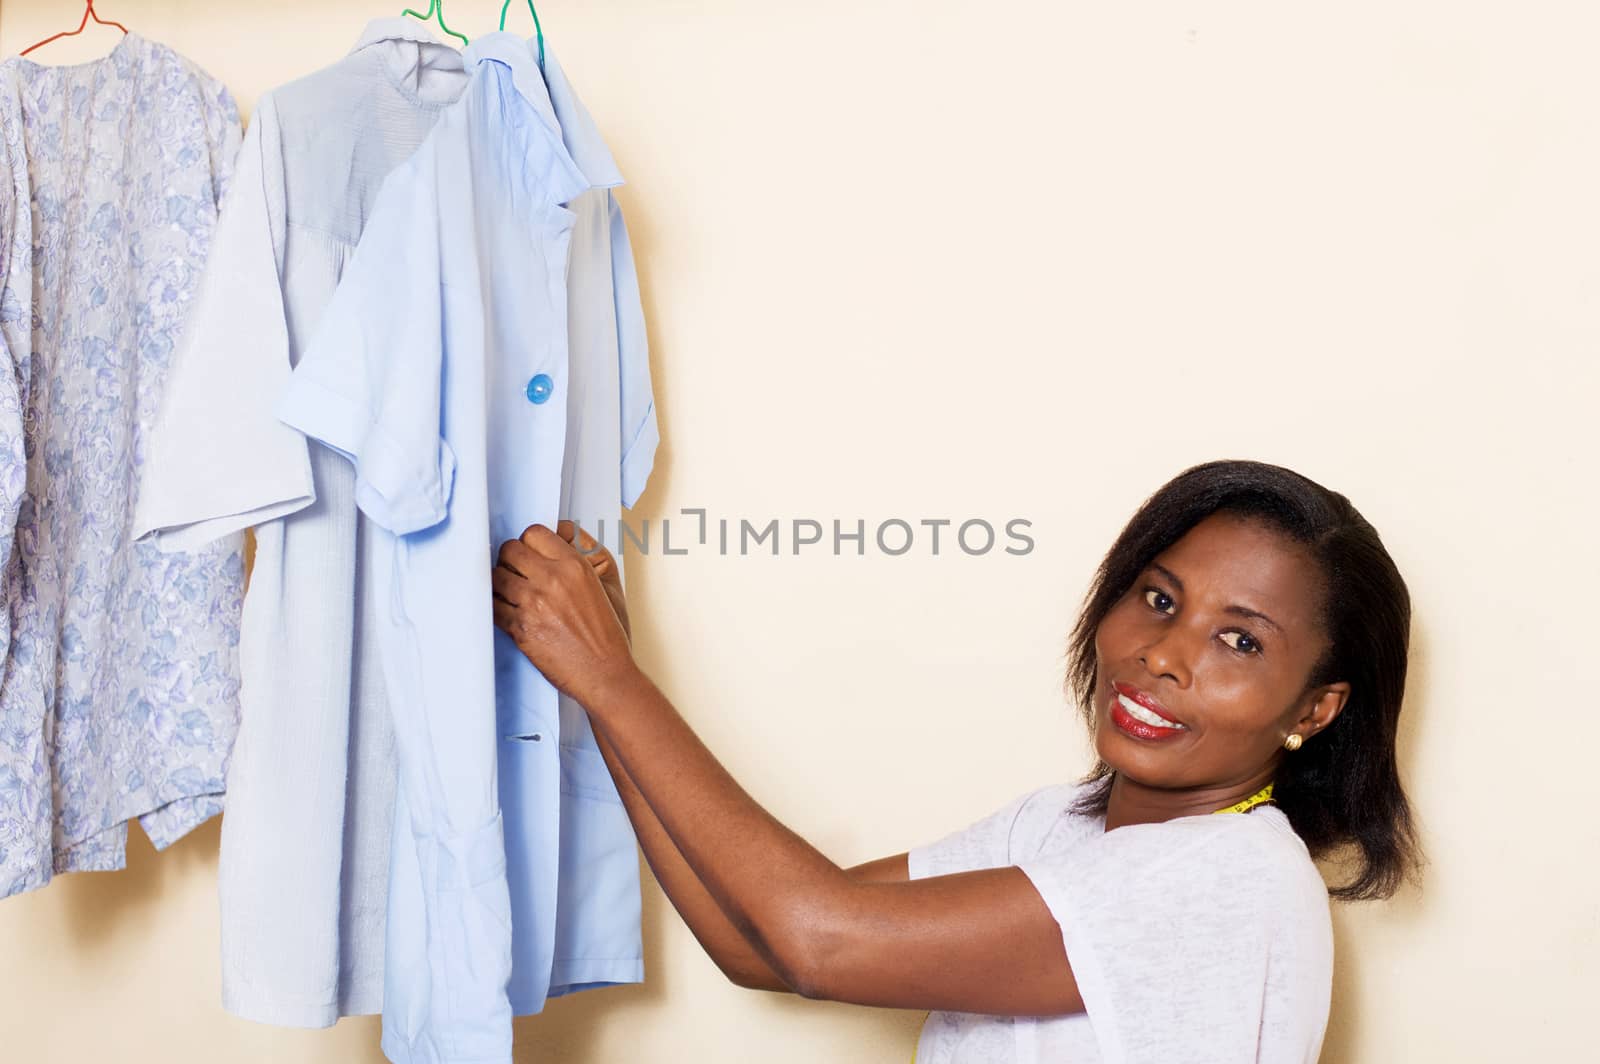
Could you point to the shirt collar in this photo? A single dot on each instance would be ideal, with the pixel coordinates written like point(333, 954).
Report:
point(512, 51)
point(578, 130)
point(550, 94)
point(552, 97)
point(395, 28)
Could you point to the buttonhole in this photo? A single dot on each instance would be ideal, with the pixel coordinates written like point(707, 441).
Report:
point(535, 737)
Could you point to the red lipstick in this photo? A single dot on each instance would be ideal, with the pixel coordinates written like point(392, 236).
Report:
point(1129, 724)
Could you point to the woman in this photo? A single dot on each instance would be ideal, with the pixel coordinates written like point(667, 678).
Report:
point(1241, 651)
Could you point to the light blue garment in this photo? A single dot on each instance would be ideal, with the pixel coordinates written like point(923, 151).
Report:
point(574, 863)
point(303, 875)
point(121, 679)
point(442, 370)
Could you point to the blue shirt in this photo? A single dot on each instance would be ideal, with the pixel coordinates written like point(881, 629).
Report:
point(574, 864)
point(451, 370)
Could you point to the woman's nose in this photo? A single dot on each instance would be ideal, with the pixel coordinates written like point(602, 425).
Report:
point(1168, 657)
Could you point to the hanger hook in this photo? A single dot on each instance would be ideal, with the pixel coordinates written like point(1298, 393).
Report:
point(436, 6)
point(538, 30)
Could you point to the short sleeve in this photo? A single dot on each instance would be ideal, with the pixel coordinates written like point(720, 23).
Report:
point(640, 433)
point(1169, 931)
point(370, 383)
point(217, 460)
point(985, 844)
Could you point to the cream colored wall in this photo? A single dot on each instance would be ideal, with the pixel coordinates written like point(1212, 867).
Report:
point(1029, 259)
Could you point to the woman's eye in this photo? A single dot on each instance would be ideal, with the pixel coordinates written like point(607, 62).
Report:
point(1157, 599)
point(1245, 642)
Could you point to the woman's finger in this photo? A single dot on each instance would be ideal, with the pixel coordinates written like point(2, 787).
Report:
point(510, 586)
point(517, 556)
point(587, 544)
point(596, 553)
point(505, 618)
point(545, 542)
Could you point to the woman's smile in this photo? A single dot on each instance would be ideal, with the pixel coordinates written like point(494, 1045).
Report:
point(1138, 714)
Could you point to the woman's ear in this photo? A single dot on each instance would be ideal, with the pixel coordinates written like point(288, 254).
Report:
point(1323, 704)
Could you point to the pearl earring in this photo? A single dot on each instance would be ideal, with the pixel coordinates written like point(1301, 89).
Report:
point(1292, 743)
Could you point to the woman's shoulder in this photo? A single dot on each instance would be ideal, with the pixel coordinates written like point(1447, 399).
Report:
point(1048, 819)
point(1017, 828)
point(1222, 879)
point(1261, 836)
point(1247, 854)
point(1253, 858)
point(1059, 799)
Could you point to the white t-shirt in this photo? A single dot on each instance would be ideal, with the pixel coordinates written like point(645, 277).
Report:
point(1202, 939)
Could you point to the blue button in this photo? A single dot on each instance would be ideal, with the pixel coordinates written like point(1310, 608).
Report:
point(540, 387)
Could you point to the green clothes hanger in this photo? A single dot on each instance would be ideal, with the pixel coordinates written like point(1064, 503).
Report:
point(537, 29)
point(438, 6)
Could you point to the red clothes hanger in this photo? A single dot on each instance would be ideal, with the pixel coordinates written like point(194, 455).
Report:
point(88, 13)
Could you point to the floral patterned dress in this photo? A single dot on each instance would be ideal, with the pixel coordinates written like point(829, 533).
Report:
point(119, 695)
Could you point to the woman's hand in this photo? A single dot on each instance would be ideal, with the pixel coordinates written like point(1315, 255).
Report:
point(564, 609)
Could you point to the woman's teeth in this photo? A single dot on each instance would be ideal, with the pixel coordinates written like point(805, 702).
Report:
point(1146, 716)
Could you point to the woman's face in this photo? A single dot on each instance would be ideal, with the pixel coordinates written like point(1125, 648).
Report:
point(1203, 663)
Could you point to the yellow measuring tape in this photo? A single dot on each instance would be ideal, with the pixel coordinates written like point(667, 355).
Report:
point(1263, 795)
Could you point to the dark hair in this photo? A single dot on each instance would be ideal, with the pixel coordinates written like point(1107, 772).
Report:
point(1342, 789)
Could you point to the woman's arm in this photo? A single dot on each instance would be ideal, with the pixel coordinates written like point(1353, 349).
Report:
point(723, 942)
point(977, 942)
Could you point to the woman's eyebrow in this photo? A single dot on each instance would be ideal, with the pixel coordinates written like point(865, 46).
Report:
point(1237, 611)
point(1245, 611)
